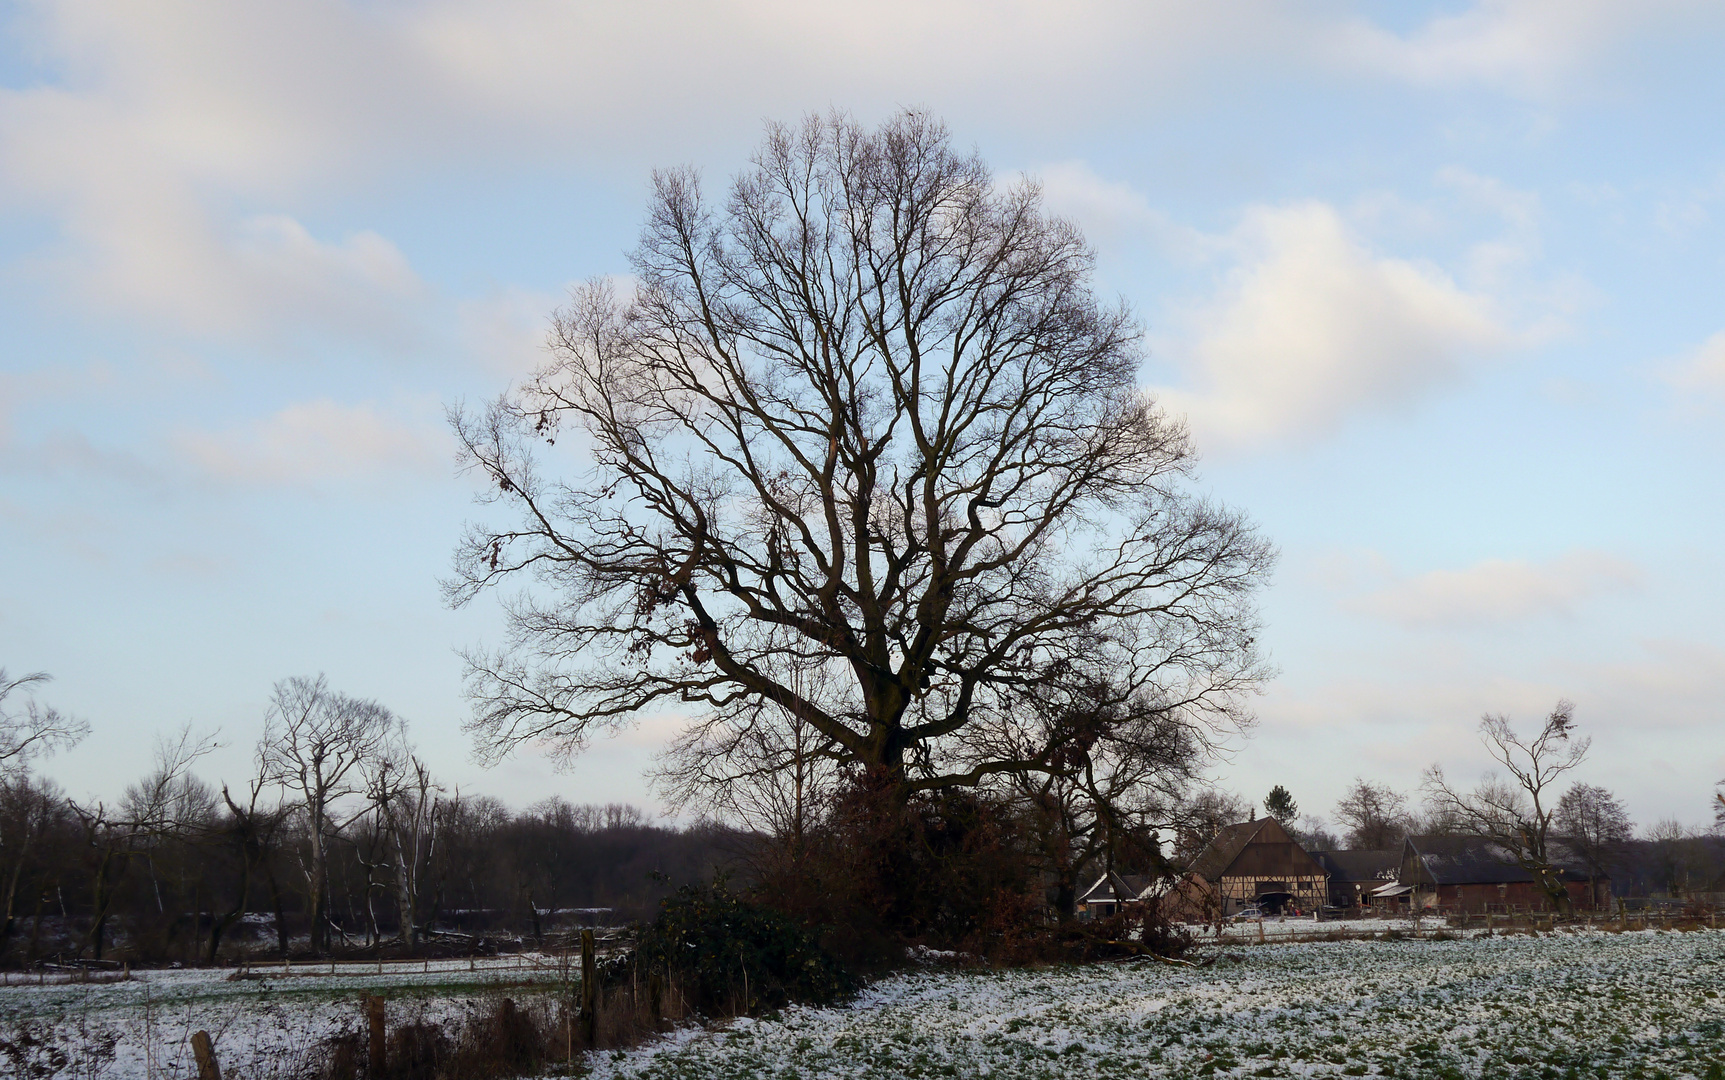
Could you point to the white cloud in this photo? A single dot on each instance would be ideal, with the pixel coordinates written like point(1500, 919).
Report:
point(506, 331)
point(1312, 326)
point(1535, 48)
point(174, 131)
point(311, 442)
point(172, 135)
point(1701, 371)
point(142, 234)
point(1495, 592)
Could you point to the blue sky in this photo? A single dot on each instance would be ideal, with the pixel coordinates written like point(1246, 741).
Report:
point(1439, 287)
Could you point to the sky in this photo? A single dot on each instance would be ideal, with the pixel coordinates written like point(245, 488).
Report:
point(1439, 287)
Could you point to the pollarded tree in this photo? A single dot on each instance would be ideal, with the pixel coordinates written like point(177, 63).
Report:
point(864, 416)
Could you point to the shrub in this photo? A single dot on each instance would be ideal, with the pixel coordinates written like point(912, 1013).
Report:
point(878, 873)
point(730, 955)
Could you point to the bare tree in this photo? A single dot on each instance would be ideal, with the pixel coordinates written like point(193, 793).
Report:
point(1677, 856)
point(1375, 815)
point(1595, 825)
point(35, 728)
point(29, 807)
point(313, 744)
point(761, 767)
point(1517, 813)
point(405, 801)
point(169, 803)
point(865, 416)
point(252, 832)
point(1203, 815)
point(1719, 807)
point(1313, 833)
point(1127, 769)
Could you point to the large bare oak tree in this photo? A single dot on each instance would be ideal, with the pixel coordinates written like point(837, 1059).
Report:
point(865, 453)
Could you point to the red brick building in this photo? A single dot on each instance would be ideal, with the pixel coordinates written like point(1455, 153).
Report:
point(1476, 874)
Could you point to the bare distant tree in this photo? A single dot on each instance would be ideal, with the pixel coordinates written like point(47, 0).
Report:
point(314, 743)
point(1719, 807)
point(169, 803)
point(761, 767)
point(405, 801)
point(864, 415)
point(1676, 856)
point(251, 830)
point(34, 728)
point(1517, 813)
point(1202, 816)
point(1313, 833)
point(1436, 818)
point(1595, 824)
point(1375, 815)
point(1128, 768)
point(29, 807)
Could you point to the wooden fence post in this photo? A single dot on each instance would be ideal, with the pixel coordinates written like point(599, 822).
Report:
point(589, 992)
point(376, 1064)
point(206, 1055)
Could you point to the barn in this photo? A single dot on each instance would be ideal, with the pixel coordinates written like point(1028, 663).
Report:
point(1356, 875)
point(1256, 863)
point(1477, 874)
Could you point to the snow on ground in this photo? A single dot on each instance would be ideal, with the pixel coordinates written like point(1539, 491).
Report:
point(1293, 927)
point(1642, 1004)
point(263, 1026)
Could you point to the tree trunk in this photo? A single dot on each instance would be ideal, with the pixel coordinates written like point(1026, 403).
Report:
point(219, 925)
point(12, 884)
point(318, 889)
point(281, 915)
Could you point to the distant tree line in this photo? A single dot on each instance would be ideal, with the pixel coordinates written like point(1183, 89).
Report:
point(1523, 813)
point(340, 841)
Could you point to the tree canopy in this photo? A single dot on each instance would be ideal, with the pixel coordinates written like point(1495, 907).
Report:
point(863, 452)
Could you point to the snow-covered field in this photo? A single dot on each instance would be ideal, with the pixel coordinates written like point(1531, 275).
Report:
point(1644, 1004)
point(263, 1026)
point(1277, 927)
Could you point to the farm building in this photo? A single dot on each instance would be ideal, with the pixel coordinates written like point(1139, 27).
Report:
point(1111, 891)
point(1476, 874)
point(1254, 862)
point(1355, 875)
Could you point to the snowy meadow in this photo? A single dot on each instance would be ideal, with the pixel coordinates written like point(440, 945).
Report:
point(1645, 1004)
point(1638, 1004)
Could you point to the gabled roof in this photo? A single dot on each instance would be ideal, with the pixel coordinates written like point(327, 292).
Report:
point(1117, 888)
point(1480, 860)
point(1259, 848)
point(1363, 865)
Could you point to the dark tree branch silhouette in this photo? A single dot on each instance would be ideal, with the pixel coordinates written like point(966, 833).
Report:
point(865, 419)
point(34, 730)
point(1518, 813)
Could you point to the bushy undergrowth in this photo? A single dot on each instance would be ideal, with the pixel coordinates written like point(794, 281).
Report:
point(731, 956)
point(499, 1041)
point(952, 870)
